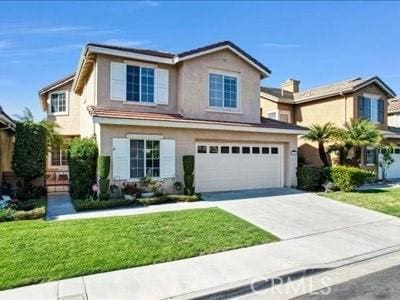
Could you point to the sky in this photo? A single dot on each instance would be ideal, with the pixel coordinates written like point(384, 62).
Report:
point(314, 42)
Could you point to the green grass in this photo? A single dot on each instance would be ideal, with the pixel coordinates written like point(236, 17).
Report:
point(383, 200)
point(39, 251)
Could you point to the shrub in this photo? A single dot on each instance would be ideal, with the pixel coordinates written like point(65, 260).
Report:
point(188, 167)
point(36, 213)
point(150, 185)
point(81, 205)
point(349, 178)
point(153, 200)
point(29, 156)
point(7, 214)
point(183, 198)
point(103, 166)
point(310, 178)
point(104, 184)
point(82, 166)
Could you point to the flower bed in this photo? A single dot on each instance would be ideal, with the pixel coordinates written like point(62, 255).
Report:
point(24, 210)
point(89, 204)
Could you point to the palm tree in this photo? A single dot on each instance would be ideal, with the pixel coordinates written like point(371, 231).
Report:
point(357, 134)
point(50, 127)
point(321, 134)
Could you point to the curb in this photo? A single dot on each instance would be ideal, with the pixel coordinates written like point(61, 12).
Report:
point(246, 286)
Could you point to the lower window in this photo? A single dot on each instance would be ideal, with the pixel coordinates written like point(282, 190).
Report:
point(59, 157)
point(370, 156)
point(145, 158)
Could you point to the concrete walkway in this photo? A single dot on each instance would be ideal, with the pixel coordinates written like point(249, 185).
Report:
point(316, 233)
point(59, 204)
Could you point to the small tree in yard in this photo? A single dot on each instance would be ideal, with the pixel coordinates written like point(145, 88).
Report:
point(82, 166)
point(32, 143)
point(386, 160)
point(321, 134)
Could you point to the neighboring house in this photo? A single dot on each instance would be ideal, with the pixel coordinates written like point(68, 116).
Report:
point(338, 103)
point(147, 109)
point(394, 112)
point(7, 131)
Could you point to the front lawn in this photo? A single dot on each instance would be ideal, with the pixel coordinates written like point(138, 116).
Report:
point(383, 200)
point(39, 251)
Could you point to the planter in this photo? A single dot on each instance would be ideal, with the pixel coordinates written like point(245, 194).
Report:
point(129, 197)
point(147, 195)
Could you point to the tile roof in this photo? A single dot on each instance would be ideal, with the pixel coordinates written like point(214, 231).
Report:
point(55, 83)
point(394, 105)
point(332, 89)
point(278, 93)
point(106, 112)
point(135, 50)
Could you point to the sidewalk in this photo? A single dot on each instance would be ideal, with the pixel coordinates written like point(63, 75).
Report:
point(204, 274)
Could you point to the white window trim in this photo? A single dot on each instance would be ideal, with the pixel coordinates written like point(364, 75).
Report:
point(61, 164)
point(238, 91)
point(144, 138)
point(66, 113)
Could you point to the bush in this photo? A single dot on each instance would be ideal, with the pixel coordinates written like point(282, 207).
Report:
point(82, 166)
point(103, 166)
point(347, 179)
point(188, 167)
point(39, 192)
point(36, 213)
point(310, 178)
point(183, 198)
point(7, 214)
point(81, 205)
point(29, 156)
point(104, 184)
point(153, 200)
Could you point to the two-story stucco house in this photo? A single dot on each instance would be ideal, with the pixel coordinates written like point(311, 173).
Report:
point(147, 109)
point(7, 131)
point(338, 103)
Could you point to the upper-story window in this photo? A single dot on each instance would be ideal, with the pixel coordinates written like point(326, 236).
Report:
point(58, 102)
point(139, 84)
point(371, 107)
point(223, 91)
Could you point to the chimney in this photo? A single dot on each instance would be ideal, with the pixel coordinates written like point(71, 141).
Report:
point(290, 85)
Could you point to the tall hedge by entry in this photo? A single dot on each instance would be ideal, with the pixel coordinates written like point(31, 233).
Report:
point(82, 166)
point(29, 156)
point(188, 168)
point(103, 170)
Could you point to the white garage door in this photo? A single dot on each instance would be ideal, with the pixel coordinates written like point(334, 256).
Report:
point(394, 170)
point(228, 167)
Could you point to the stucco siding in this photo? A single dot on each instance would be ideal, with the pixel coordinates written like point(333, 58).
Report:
point(6, 150)
point(88, 98)
point(186, 139)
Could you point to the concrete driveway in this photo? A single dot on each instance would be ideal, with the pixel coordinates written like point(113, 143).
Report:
point(289, 213)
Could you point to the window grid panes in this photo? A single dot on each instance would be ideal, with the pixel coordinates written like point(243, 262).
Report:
point(58, 102)
point(59, 157)
point(274, 150)
point(153, 158)
point(137, 158)
point(222, 91)
point(246, 150)
point(225, 149)
point(140, 84)
point(213, 149)
point(201, 149)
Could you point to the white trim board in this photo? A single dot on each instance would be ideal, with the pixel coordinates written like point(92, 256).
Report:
point(194, 125)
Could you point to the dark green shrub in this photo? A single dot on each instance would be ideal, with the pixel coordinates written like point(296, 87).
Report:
point(39, 192)
point(188, 168)
point(310, 178)
point(188, 164)
point(103, 166)
point(82, 166)
point(7, 214)
point(104, 197)
point(347, 179)
point(29, 156)
point(104, 184)
point(81, 205)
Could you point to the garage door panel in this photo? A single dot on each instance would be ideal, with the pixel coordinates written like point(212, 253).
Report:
point(222, 171)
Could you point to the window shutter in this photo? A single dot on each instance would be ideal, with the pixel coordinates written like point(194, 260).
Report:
point(167, 158)
point(381, 111)
point(118, 81)
point(161, 86)
point(360, 107)
point(121, 159)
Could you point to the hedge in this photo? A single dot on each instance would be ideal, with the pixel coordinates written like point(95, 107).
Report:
point(184, 198)
point(81, 205)
point(24, 210)
point(82, 166)
point(347, 179)
point(310, 178)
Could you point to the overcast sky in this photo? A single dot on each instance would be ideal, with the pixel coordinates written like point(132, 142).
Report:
point(315, 42)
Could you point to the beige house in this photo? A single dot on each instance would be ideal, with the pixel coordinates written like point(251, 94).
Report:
point(7, 131)
point(147, 109)
point(339, 102)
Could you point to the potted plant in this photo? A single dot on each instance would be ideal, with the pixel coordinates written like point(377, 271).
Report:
point(129, 190)
point(149, 186)
point(178, 186)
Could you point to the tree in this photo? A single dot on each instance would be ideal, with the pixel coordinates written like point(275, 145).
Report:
point(386, 159)
point(32, 142)
point(321, 134)
point(357, 134)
